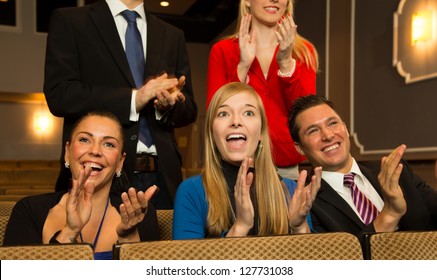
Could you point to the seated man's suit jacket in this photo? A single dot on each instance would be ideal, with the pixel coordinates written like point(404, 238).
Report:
point(331, 213)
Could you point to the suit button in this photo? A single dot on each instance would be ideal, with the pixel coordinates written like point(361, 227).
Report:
point(133, 137)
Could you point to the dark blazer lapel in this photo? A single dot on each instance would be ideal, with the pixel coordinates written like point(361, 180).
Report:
point(155, 41)
point(101, 16)
point(330, 196)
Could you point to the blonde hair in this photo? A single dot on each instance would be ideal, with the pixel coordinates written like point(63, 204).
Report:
point(303, 50)
point(271, 193)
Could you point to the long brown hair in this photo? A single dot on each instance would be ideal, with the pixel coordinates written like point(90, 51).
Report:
point(270, 192)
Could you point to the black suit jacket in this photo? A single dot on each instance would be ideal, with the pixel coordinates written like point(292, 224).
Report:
point(86, 69)
point(331, 213)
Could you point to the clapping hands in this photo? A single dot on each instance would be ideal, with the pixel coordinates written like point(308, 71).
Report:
point(243, 204)
point(394, 201)
point(302, 201)
point(132, 212)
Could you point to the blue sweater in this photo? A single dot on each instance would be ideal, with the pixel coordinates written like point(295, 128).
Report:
point(191, 208)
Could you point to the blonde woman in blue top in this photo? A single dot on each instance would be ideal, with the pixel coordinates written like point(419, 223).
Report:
point(239, 192)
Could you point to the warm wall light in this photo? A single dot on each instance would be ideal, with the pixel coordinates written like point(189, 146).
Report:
point(164, 3)
point(42, 123)
point(421, 28)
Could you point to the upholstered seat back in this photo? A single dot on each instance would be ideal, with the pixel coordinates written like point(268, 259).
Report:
point(327, 246)
point(6, 207)
point(403, 246)
point(48, 252)
point(165, 222)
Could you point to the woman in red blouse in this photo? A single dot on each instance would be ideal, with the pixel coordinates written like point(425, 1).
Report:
point(267, 53)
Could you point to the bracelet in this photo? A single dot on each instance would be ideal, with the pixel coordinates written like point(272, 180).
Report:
point(288, 74)
point(285, 75)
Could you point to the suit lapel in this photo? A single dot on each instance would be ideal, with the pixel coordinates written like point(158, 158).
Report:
point(105, 25)
point(155, 41)
point(330, 196)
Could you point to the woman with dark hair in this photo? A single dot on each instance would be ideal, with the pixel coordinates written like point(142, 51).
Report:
point(88, 212)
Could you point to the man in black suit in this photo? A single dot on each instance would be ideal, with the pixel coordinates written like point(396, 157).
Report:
point(86, 69)
point(402, 200)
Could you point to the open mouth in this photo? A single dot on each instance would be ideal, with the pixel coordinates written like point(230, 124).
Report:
point(236, 139)
point(94, 167)
point(271, 9)
point(331, 148)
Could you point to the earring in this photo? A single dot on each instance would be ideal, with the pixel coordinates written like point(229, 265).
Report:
point(67, 165)
point(258, 149)
point(118, 174)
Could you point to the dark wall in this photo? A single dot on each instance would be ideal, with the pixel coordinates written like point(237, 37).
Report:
point(355, 44)
point(311, 24)
point(388, 111)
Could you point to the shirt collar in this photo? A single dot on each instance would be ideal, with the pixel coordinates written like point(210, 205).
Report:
point(116, 7)
point(335, 179)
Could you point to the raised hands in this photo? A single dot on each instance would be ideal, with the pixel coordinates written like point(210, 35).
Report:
point(79, 206)
point(394, 202)
point(286, 35)
point(132, 212)
point(243, 204)
point(246, 41)
point(302, 201)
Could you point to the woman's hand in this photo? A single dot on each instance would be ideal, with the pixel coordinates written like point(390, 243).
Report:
point(132, 212)
point(243, 204)
point(302, 201)
point(286, 34)
point(246, 41)
point(79, 207)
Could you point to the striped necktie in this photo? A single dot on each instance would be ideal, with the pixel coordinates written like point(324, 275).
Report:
point(365, 207)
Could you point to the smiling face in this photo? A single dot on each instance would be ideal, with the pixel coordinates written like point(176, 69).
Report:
point(267, 11)
point(236, 128)
point(96, 142)
point(324, 139)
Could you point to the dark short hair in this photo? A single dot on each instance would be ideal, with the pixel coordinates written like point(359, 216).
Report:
point(301, 104)
point(104, 114)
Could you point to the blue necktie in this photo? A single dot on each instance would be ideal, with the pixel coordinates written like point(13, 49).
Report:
point(135, 57)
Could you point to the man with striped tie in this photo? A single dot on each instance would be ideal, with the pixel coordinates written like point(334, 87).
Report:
point(381, 196)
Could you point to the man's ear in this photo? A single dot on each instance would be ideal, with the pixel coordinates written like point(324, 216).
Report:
point(299, 148)
point(347, 130)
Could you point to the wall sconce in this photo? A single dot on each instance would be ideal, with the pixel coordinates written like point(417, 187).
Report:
point(421, 27)
point(42, 123)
